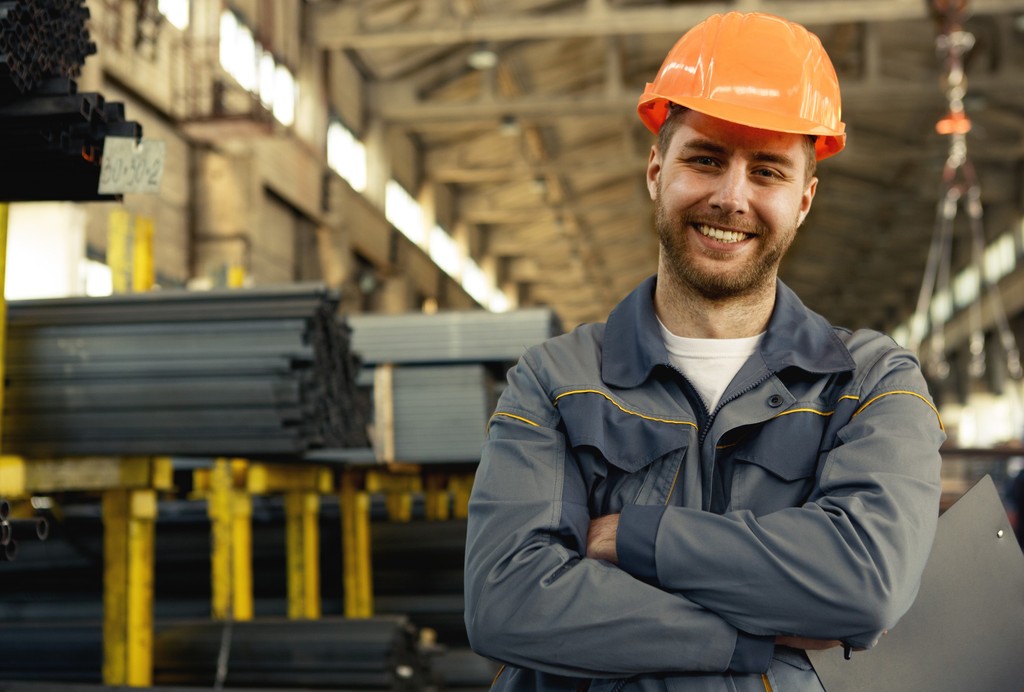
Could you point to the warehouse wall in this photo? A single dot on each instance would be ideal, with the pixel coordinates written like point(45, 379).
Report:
point(241, 190)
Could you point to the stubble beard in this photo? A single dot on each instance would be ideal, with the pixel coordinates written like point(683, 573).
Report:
point(678, 258)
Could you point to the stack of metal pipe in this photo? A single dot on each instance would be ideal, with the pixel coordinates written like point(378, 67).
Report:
point(258, 373)
point(380, 653)
point(53, 143)
point(40, 39)
point(52, 136)
point(13, 530)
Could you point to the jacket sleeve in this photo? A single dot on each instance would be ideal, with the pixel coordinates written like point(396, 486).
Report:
point(847, 564)
point(532, 599)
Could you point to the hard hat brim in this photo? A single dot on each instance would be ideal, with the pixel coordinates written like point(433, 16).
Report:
point(653, 110)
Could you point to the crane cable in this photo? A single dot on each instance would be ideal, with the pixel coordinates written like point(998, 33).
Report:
point(959, 186)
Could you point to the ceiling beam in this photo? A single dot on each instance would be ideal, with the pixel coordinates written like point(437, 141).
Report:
point(465, 174)
point(339, 25)
point(858, 96)
point(511, 215)
point(469, 175)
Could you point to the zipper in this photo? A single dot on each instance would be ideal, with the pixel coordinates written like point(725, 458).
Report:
point(706, 423)
point(702, 434)
point(707, 419)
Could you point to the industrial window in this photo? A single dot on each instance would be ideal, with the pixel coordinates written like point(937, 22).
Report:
point(346, 155)
point(1000, 258)
point(966, 287)
point(404, 212)
point(445, 252)
point(175, 11)
point(256, 70)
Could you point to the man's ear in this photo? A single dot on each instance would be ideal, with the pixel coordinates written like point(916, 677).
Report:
point(653, 171)
point(806, 199)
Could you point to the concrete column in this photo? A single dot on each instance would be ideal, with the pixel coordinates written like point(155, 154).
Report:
point(394, 296)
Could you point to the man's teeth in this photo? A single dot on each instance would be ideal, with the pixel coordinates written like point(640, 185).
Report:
point(720, 235)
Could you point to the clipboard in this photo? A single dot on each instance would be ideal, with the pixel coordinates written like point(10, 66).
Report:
point(965, 630)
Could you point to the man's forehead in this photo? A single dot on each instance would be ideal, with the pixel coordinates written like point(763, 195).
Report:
point(697, 131)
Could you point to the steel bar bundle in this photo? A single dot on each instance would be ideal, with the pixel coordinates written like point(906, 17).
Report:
point(380, 653)
point(264, 374)
point(450, 336)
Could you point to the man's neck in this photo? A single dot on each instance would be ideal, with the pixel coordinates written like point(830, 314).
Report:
point(686, 313)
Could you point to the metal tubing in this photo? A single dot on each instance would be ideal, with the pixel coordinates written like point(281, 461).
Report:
point(378, 653)
point(35, 529)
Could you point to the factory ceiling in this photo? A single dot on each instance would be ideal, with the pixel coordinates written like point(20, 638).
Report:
point(526, 109)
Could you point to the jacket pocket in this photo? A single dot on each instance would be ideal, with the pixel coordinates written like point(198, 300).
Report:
point(628, 456)
point(777, 466)
point(791, 670)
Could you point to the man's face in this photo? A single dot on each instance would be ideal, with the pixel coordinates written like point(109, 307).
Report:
point(728, 201)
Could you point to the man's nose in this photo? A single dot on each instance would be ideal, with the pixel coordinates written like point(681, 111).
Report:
point(732, 194)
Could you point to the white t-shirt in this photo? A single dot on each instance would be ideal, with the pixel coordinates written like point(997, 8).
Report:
point(709, 364)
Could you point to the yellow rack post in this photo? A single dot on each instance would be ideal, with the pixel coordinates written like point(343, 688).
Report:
point(229, 506)
point(128, 487)
point(302, 487)
point(355, 541)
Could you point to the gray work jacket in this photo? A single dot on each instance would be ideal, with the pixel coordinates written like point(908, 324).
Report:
point(804, 504)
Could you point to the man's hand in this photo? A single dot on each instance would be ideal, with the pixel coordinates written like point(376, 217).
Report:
point(806, 643)
point(601, 538)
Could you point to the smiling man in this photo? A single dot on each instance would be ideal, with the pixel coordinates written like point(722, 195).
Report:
point(693, 494)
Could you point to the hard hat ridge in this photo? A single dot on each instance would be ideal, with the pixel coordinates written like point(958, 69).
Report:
point(755, 69)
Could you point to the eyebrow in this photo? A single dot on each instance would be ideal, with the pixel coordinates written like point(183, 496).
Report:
point(712, 147)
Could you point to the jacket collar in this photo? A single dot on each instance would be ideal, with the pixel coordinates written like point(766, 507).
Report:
point(796, 337)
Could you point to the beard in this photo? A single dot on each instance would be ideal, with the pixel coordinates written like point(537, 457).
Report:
point(680, 254)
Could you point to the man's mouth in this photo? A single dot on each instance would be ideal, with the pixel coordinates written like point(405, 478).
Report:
point(720, 235)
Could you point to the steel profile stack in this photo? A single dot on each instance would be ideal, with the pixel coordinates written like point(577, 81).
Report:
point(52, 136)
point(338, 653)
point(380, 653)
point(456, 336)
point(445, 372)
point(439, 411)
point(265, 374)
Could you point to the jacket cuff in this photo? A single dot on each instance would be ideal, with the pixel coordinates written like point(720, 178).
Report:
point(635, 539)
point(753, 654)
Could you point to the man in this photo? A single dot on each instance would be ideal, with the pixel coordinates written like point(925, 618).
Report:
point(691, 495)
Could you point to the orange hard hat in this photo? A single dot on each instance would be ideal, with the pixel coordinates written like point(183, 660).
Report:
point(754, 69)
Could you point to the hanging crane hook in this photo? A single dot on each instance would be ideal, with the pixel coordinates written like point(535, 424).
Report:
point(959, 186)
